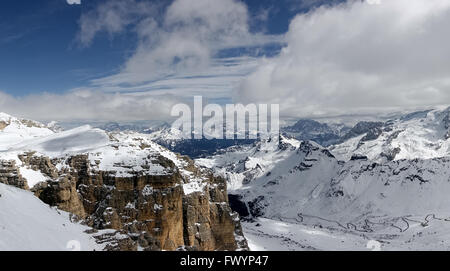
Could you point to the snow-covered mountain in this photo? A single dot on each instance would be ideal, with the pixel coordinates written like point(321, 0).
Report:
point(300, 195)
point(242, 164)
point(384, 181)
point(144, 195)
point(345, 138)
point(422, 134)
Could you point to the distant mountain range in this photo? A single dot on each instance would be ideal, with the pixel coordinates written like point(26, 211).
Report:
point(341, 138)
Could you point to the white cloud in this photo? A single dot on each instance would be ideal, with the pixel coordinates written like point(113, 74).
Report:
point(185, 36)
point(89, 105)
point(357, 57)
point(217, 82)
point(74, 2)
point(112, 17)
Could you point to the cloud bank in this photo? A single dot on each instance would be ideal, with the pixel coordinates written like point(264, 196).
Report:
point(358, 58)
point(89, 105)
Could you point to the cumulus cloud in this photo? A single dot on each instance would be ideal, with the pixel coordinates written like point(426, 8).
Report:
point(74, 2)
point(357, 58)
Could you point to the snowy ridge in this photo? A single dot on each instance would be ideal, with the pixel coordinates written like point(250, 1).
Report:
point(168, 134)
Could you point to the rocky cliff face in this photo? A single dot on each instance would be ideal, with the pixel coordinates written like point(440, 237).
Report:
point(152, 198)
point(153, 211)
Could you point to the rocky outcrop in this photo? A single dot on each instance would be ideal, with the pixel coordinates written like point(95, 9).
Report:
point(372, 130)
point(209, 223)
point(3, 125)
point(152, 211)
point(62, 193)
point(446, 122)
point(9, 174)
point(322, 133)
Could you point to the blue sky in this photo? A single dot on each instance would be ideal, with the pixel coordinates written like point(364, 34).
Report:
point(39, 50)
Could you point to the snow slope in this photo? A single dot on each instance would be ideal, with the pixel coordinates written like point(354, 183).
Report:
point(26, 223)
point(79, 140)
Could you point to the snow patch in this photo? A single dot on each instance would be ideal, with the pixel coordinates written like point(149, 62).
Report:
point(33, 177)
